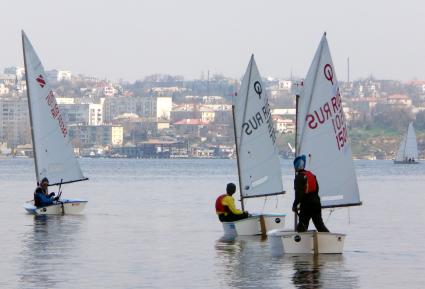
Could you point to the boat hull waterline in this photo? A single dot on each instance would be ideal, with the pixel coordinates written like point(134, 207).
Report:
point(310, 242)
point(252, 226)
point(68, 206)
point(406, 162)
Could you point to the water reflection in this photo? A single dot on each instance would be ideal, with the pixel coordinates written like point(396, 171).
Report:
point(306, 272)
point(48, 249)
point(311, 271)
point(247, 263)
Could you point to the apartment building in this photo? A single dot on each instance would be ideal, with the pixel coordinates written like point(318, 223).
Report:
point(152, 108)
point(14, 121)
point(91, 135)
point(80, 113)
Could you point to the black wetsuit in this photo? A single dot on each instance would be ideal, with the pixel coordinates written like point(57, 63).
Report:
point(230, 217)
point(310, 206)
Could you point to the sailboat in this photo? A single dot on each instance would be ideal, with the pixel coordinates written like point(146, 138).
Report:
point(408, 151)
point(53, 152)
point(256, 153)
point(322, 135)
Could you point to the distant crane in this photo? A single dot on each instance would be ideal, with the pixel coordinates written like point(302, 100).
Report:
point(291, 148)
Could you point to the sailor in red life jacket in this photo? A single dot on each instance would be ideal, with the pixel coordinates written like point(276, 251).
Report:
point(307, 196)
point(225, 206)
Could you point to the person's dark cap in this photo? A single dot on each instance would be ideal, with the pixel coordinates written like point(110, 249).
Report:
point(299, 162)
point(231, 188)
point(44, 180)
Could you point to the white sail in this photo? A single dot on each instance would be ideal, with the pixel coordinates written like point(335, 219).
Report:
point(53, 152)
point(322, 133)
point(260, 171)
point(408, 147)
point(400, 154)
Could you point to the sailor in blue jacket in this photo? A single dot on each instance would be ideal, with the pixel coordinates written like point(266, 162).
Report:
point(41, 196)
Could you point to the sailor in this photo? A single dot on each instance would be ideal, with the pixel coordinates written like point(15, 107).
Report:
point(225, 206)
point(41, 195)
point(307, 197)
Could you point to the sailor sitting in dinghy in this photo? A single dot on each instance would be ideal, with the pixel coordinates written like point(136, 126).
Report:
point(307, 196)
point(225, 206)
point(42, 197)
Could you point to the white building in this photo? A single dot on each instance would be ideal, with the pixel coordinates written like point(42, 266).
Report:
point(59, 75)
point(163, 106)
point(14, 121)
point(3, 89)
point(18, 72)
point(92, 135)
point(65, 100)
point(8, 79)
point(152, 108)
point(285, 85)
point(221, 113)
point(284, 125)
point(213, 99)
point(285, 112)
point(81, 113)
point(109, 91)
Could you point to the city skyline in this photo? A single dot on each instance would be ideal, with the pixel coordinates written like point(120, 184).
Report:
point(131, 40)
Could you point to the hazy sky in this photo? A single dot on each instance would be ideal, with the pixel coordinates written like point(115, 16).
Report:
point(130, 39)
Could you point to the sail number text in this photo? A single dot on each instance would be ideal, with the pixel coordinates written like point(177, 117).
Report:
point(55, 112)
point(331, 111)
point(258, 119)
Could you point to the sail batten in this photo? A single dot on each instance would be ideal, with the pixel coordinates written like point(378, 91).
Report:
point(68, 182)
point(53, 152)
point(266, 195)
point(259, 166)
point(322, 132)
point(342, 205)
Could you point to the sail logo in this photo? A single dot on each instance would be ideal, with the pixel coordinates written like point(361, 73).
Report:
point(258, 89)
point(329, 73)
point(41, 81)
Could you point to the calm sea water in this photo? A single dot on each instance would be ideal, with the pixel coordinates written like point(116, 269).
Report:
point(151, 224)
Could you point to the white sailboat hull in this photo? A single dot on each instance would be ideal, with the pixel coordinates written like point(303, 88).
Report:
point(406, 162)
point(311, 242)
point(68, 206)
point(252, 226)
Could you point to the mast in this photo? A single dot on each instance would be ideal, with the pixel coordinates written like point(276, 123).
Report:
point(208, 83)
point(297, 149)
point(29, 108)
point(240, 140)
point(237, 157)
point(348, 70)
point(405, 143)
point(297, 96)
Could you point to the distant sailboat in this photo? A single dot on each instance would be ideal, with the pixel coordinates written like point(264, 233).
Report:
point(257, 154)
point(408, 151)
point(322, 135)
point(53, 152)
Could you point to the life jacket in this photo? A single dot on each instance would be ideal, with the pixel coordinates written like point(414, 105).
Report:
point(311, 186)
point(219, 208)
point(37, 201)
